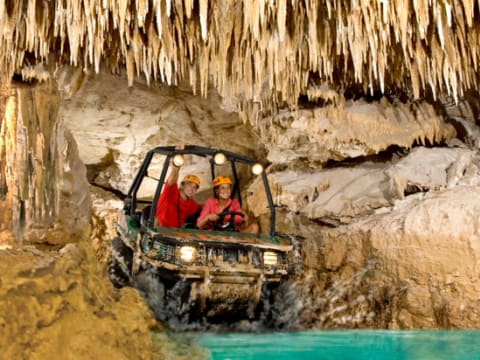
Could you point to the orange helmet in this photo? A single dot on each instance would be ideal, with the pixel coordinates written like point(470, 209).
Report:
point(219, 180)
point(192, 178)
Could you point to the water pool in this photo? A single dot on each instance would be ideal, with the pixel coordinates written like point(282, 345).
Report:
point(346, 345)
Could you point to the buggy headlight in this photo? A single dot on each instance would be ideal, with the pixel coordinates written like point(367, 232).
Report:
point(178, 160)
point(219, 158)
point(270, 258)
point(188, 253)
point(257, 169)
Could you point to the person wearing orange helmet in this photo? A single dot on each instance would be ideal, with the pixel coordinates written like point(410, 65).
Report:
point(176, 204)
point(223, 202)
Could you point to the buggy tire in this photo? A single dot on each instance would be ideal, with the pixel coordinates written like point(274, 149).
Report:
point(120, 264)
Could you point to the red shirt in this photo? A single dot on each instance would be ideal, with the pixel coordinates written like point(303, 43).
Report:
point(172, 209)
point(211, 207)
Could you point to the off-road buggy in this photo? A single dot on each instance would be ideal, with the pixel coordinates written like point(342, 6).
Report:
point(188, 273)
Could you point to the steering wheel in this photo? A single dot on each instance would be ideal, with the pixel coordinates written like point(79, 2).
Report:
point(230, 225)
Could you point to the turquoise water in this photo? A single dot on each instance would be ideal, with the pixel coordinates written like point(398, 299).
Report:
point(346, 345)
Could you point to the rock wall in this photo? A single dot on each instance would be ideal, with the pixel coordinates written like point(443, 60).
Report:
point(349, 129)
point(388, 226)
point(415, 266)
point(115, 125)
point(55, 297)
point(61, 303)
point(43, 182)
point(347, 180)
point(389, 240)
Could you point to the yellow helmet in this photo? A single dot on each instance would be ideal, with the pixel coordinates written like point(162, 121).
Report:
point(192, 178)
point(219, 180)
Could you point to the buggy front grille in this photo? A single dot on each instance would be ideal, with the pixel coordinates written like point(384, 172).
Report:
point(165, 252)
point(213, 255)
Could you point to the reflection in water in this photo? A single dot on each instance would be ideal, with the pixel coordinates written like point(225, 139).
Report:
point(346, 345)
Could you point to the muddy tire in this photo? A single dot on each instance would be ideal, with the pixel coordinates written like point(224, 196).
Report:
point(120, 264)
point(285, 306)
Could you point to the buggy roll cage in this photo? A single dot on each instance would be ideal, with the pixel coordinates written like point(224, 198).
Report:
point(130, 201)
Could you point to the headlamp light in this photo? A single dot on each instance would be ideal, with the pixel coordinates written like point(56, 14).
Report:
point(188, 253)
point(270, 258)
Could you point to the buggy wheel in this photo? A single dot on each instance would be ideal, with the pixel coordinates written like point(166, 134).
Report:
point(120, 264)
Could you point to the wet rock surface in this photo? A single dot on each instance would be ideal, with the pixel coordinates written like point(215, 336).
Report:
point(51, 300)
point(411, 271)
point(56, 302)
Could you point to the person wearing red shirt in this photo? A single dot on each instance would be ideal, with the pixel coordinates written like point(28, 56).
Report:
point(222, 187)
point(177, 204)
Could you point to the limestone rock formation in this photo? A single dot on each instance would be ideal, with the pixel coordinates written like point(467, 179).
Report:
point(354, 129)
point(415, 266)
point(43, 182)
point(339, 195)
point(118, 125)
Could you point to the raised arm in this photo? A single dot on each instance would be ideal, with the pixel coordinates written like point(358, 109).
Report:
point(173, 177)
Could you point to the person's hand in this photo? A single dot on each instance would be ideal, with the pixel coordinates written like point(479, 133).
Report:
point(213, 217)
point(180, 147)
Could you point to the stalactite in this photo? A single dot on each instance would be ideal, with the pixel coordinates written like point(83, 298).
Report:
point(7, 146)
point(257, 48)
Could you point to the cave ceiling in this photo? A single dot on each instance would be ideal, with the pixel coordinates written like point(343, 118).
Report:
point(269, 52)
